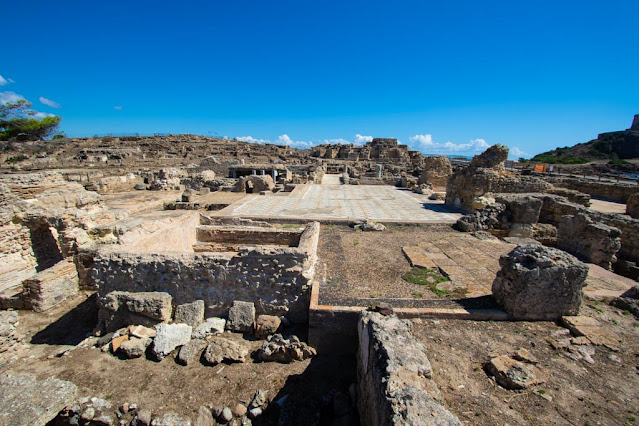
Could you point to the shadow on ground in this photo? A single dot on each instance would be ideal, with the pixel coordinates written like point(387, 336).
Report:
point(320, 395)
point(72, 327)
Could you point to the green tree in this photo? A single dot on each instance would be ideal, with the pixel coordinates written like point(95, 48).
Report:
point(18, 121)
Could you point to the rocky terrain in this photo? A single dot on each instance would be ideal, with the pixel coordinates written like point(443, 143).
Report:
point(614, 147)
point(365, 285)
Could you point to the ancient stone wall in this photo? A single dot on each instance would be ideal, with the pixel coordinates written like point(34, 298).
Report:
point(632, 205)
point(486, 175)
point(395, 385)
point(276, 279)
point(17, 260)
point(611, 191)
point(118, 183)
point(437, 171)
point(554, 207)
point(255, 236)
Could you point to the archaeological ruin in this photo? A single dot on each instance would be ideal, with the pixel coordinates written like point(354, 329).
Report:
point(191, 280)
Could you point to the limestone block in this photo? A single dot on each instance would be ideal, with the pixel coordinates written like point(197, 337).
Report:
point(190, 313)
point(169, 337)
point(24, 400)
point(221, 349)
point(209, 327)
point(134, 347)
point(539, 283)
point(120, 309)
point(389, 357)
point(494, 156)
point(241, 317)
point(51, 287)
point(191, 351)
point(592, 241)
point(513, 374)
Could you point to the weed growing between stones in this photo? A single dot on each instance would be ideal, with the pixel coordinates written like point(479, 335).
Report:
point(426, 277)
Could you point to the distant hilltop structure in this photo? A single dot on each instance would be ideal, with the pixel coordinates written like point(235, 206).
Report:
point(611, 146)
point(379, 149)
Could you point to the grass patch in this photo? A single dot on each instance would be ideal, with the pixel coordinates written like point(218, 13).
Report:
point(417, 294)
point(426, 277)
point(549, 158)
point(289, 226)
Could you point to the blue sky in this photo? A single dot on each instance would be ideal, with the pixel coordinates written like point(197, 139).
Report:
point(443, 77)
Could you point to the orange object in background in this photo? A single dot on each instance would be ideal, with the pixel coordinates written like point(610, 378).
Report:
point(540, 168)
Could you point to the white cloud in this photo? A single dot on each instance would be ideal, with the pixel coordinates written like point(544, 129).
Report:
point(118, 107)
point(9, 97)
point(518, 153)
point(286, 140)
point(361, 140)
point(251, 139)
point(49, 102)
point(427, 145)
point(340, 141)
point(5, 81)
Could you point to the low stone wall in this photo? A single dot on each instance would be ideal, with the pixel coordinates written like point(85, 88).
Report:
point(276, 279)
point(17, 260)
point(611, 191)
point(118, 183)
point(50, 287)
point(255, 236)
point(395, 385)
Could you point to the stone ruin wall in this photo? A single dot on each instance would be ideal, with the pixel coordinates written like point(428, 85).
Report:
point(554, 207)
point(610, 191)
point(276, 279)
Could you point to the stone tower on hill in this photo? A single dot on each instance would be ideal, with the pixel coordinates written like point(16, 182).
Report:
point(635, 123)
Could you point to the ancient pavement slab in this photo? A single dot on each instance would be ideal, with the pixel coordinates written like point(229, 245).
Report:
point(603, 284)
point(417, 257)
point(330, 200)
point(27, 401)
point(581, 325)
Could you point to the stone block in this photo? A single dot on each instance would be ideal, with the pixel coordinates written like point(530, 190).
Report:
point(209, 327)
point(169, 337)
point(51, 287)
point(225, 350)
point(592, 241)
point(266, 325)
point(134, 347)
point(241, 317)
point(389, 357)
point(24, 400)
point(120, 309)
point(513, 374)
point(539, 283)
point(190, 313)
point(191, 351)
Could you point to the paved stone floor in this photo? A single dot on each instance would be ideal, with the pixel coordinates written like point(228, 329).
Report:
point(331, 200)
point(607, 206)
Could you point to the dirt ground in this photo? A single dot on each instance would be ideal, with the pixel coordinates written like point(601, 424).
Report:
point(166, 386)
point(371, 264)
point(575, 392)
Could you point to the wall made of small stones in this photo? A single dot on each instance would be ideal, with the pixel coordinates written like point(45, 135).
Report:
point(272, 279)
point(611, 191)
point(16, 255)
